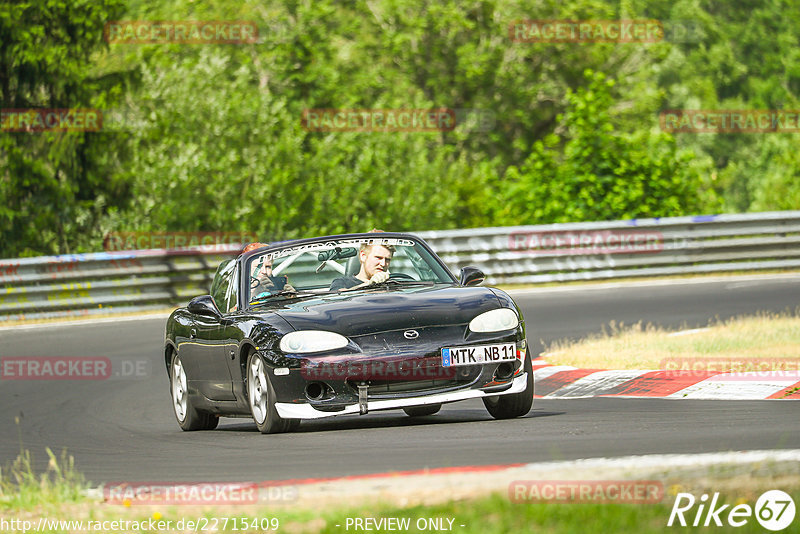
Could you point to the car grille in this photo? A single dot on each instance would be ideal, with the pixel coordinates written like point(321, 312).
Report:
point(464, 377)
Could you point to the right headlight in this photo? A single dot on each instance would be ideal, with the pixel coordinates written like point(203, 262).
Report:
point(495, 321)
point(312, 341)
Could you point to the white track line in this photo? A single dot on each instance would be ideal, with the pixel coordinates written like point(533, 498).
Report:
point(676, 460)
point(87, 321)
point(654, 283)
point(754, 386)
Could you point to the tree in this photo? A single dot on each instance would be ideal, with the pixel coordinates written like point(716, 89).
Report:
point(594, 172)
point(54, 186)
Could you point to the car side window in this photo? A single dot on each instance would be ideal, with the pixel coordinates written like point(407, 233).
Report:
point(221, 284)
point(232, 293)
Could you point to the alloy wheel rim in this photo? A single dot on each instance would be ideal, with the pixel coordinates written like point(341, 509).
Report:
point(179, 389)
point(257, 382)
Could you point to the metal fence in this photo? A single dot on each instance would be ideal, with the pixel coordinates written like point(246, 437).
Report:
point(119, 281)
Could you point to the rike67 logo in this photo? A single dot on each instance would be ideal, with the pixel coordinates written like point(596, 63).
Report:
point(774, 510)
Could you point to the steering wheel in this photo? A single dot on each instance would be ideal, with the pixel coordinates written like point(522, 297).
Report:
point(254, 282)
point(401, 276)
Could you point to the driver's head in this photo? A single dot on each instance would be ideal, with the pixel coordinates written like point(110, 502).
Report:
point(374, 258)
point(264, 268)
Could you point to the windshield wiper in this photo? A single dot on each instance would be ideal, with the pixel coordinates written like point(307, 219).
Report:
point(289, 293)
point(408, 282)
point(385, 283)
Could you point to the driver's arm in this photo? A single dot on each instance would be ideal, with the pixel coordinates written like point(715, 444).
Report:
point(377, 278)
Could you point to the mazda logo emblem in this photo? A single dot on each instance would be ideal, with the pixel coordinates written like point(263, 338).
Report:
point(411, 334)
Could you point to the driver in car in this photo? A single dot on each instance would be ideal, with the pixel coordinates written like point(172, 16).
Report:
point(375, 261)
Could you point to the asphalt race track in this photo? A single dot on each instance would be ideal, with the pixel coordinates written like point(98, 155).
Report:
point(123, 428)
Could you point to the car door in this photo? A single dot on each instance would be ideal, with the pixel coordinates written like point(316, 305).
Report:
point(209, 347)
point(214, 379)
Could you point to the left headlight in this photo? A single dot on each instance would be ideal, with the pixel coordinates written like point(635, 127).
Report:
point(312, 341)
point(495, 321)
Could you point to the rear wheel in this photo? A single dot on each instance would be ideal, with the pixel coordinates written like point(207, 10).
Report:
point(421, 411)
point(261, 397)
point(516, 404)
point(189, 417)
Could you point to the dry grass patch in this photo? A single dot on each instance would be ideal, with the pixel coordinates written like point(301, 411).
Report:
point(739, 340)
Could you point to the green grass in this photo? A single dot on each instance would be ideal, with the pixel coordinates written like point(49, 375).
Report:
point(22, 489)
point(497, 513)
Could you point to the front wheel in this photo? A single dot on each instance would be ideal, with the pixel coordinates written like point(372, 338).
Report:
point(189, 417)
point(516, 404)
point(261, 397)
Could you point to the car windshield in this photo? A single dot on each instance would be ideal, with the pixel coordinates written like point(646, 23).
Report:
point(333, 265)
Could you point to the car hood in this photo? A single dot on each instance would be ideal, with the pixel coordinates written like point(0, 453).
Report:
point(373, 311)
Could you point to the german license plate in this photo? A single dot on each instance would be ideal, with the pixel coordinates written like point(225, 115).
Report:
point(475, 355)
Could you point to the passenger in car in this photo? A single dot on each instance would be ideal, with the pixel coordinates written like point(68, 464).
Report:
point(262, 278)
point(252, 246)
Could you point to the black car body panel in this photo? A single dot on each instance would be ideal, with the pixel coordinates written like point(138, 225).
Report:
point(355, 314)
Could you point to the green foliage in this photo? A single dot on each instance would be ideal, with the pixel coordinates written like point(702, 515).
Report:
point(209, 137)
point(53, 186)
point(595, 172)
point(739, 57)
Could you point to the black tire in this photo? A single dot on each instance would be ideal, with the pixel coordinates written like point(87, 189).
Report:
point(516, 404)
point(422, 411)
point(213, 421)
point(189, 418)
point(261, 398)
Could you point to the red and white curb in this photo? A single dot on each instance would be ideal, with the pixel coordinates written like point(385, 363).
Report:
point(565, 382)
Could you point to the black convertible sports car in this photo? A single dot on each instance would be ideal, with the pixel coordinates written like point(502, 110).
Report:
point(305, 329)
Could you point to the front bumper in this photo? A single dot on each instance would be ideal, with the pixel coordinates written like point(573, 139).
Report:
point(307, 411)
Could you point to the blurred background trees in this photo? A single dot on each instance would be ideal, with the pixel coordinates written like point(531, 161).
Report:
point(209, 137)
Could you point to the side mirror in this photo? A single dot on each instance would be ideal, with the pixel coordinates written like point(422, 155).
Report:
point(204, 305)
point(471, 276)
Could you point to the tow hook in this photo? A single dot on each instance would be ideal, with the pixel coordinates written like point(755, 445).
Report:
point(362, 399)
